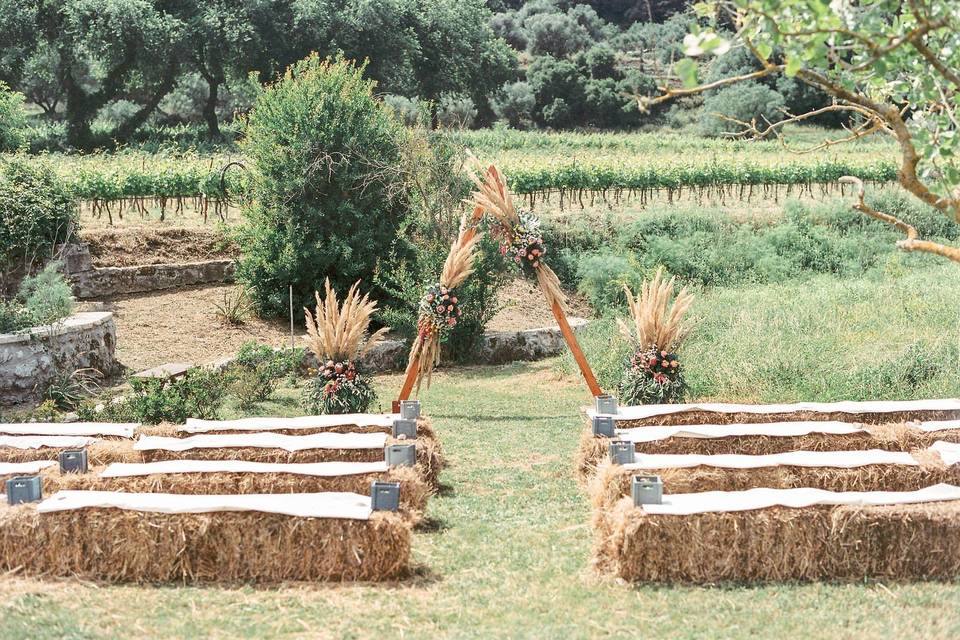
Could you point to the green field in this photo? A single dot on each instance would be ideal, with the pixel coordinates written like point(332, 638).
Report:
point(505, 555)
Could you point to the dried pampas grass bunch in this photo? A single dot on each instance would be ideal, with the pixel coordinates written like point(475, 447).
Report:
point(518, 232)
point(338, 336)
point(653, 374)
point(440, 306)
point(340, 332)
point(657, 316)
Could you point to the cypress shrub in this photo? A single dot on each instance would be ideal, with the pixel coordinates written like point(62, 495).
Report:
point(325, 200)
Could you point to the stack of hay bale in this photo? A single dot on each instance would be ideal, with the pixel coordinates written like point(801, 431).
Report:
point(259, 499)
point(811, 491)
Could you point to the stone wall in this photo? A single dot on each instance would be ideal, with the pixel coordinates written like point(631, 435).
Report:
point(30, 360)
point(100, 282)
point(497, 347)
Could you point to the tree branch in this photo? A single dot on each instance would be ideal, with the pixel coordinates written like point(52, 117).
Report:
point(935, 62)
point(912, 241)
point(645, 102)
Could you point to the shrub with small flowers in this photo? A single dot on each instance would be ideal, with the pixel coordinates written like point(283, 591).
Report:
point(523, 244)
point(439, 311)
point(337, 388)
point(652, 376)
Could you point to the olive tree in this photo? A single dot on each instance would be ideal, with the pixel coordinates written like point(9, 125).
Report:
point(892, 65)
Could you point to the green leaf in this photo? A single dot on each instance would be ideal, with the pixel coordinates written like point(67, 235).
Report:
point(765, 50)
point(793, 65)
point(686, 68)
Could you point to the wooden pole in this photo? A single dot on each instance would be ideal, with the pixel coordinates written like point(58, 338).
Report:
point(571, 340)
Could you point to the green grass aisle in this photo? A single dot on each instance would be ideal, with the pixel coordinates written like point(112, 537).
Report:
point(505, 555)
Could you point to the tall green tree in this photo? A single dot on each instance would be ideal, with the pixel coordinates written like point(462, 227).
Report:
point(227, 39)
point(110, 49)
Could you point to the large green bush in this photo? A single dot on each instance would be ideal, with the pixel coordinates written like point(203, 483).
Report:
point(37, 212)
point(13, 119)
point(324, 203)
point(746, 102)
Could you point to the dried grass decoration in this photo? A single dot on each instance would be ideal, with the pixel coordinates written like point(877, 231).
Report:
point(440, 305)
point(338, 336)
point(653, 373)
point(518, 233)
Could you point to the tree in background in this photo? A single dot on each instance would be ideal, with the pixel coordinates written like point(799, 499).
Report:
point(104, 50)
point(890, 66)
point(324, 202)
point(227, 39)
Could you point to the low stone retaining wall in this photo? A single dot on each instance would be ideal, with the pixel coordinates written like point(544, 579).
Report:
point(29, 361)
point(497, 347)
point(110, 281)
point(101, 282)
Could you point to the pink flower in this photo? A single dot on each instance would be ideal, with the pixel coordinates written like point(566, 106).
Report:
point(523, 253)
point(536, 264)
point(430, 297)
point(453, 299)
point(452, 322)
point(441, 309)
point(459, 312)
point(517, 259)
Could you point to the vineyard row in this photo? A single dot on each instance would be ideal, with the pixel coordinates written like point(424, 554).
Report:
point(573, 184)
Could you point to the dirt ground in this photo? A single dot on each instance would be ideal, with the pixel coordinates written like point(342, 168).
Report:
point(124, 247)
point(182, 325)
point(522, 306)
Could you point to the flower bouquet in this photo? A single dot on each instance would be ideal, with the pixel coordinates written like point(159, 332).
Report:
point(653, 373)
point(338, 337)
point(518, 232)
point(523, 244)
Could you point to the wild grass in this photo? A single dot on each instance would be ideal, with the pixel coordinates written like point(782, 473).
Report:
point(893, 333)
point(339, 331)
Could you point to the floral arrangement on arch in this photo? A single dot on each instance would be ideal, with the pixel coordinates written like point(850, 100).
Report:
point(653, 373)
point(338, 337)
point(518, 233)
point(439, 309)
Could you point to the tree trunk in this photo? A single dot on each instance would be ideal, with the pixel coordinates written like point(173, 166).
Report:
point(78, 117)
point(127, 129)
point(210, 108)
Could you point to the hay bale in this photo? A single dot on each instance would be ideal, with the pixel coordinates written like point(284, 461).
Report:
point(424, 430)
point(903, 542)
point(223, 547)
point(611, 482)
point(699, 416)
point(414, 490)
point(101, 452)
point(891, 437)
point(429, 459)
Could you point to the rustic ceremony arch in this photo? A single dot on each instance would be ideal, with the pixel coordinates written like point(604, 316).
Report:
point(440, 307)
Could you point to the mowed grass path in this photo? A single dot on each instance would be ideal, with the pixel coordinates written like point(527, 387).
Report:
point(505, 555)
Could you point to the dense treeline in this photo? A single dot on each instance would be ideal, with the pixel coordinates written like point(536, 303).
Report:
point(124, 61)
point(108, 70)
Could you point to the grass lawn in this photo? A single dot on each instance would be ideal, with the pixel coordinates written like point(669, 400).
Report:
point(505, 555)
